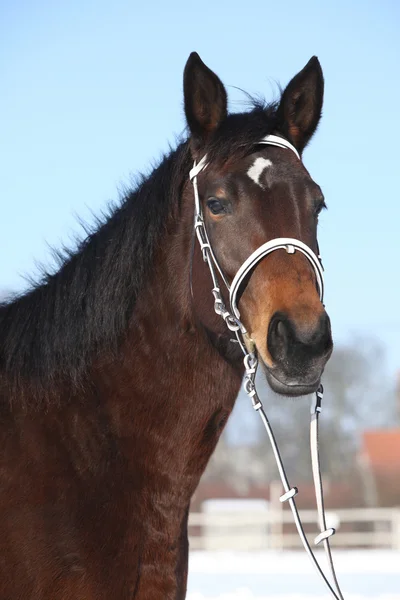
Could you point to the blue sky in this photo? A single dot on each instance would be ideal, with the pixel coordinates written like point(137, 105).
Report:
point(92, 92)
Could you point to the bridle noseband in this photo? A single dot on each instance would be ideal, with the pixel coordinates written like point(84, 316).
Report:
point(288, 244)
point(232, 320)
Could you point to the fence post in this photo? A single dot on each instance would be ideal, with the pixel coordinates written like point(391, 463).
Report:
point(396, 529)
point(276, 528)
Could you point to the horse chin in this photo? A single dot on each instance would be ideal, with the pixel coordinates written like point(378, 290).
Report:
point(288, 388)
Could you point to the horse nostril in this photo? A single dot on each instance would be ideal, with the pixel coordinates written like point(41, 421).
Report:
point(326, 332)
point(281, 330)
point(278, 336)
point(290, 342)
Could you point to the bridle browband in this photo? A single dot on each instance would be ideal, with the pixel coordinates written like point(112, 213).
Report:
point(232, 320)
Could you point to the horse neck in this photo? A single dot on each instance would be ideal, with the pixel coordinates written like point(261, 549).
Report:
point(130, 446)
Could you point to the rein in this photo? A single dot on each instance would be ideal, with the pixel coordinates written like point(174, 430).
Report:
point(232, 320)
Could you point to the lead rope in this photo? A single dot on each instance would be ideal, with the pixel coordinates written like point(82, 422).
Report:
point(250, 361)
point(251, 364)
point(325, 533)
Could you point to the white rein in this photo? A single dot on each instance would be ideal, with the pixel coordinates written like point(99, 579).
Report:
point(232, 320)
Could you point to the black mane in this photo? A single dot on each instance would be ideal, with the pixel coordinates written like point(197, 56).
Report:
point(53, 330)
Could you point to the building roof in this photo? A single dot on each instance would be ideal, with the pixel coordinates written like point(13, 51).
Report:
point(381, 448)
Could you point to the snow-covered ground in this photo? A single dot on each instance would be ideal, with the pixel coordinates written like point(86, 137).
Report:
point(363, 575)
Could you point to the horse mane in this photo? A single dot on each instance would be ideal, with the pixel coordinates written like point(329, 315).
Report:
point(51, 332)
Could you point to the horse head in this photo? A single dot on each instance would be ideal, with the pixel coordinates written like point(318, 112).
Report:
point(251, 193)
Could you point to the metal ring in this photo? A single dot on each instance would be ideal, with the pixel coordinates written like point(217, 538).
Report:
point(250, 361)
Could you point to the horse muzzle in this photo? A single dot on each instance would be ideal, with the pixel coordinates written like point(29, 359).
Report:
point(299, 354)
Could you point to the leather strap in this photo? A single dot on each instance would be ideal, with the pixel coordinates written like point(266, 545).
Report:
point(275, 140)
point(288, 244)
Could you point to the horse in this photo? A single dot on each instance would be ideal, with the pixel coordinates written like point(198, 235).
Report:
point(117, 376)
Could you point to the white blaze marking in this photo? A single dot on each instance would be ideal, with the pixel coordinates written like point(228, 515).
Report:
point(257, 168)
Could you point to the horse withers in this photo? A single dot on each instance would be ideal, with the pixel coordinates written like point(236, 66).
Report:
point(116, 375)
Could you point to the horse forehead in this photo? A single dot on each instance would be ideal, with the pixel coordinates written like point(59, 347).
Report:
point(257, 169)
point(268, 171)
point(263, 171)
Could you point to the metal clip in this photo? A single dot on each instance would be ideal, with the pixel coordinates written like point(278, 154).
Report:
point(248, 385)
point(219, 305)
point(231, 322)
point(250, 361)
point(319, 394)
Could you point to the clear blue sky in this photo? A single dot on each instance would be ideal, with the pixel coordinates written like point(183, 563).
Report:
point(91, 92)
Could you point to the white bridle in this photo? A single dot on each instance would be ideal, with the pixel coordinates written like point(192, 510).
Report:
point(232, 320)
point(288, 244)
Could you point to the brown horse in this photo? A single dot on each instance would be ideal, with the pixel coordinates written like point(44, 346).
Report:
point(117, 377)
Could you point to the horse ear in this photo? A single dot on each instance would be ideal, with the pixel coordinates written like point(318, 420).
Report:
point(205, 100)
point(300, 107)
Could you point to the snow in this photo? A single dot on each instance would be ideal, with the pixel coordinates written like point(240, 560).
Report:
point(363, 575)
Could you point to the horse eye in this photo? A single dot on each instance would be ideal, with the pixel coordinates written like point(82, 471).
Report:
point(216, 206)
point(321, 205)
